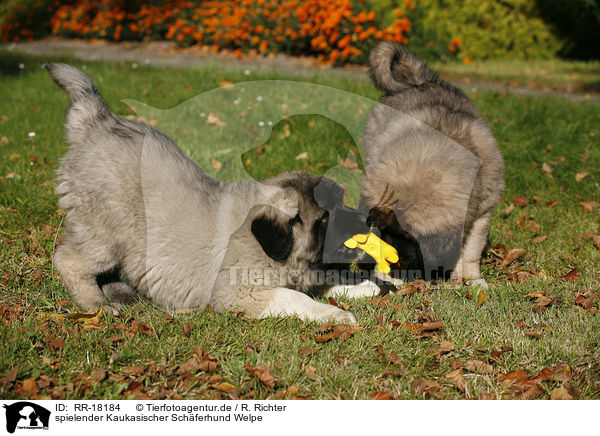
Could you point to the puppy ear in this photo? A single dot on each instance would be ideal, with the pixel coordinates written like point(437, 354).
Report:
point(275, 238)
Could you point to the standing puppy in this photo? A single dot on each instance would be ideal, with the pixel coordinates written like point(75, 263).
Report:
point(433, 169)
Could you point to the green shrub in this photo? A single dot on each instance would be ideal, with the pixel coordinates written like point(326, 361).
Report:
point(491, 28)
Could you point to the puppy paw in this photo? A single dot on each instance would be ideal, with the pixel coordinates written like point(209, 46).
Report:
point(112, 309)
point(340, 316)
point(478, 283)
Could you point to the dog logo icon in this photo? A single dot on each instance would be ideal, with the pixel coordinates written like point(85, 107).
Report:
point(26, 415)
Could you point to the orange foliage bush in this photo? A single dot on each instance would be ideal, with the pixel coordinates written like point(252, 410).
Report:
point(336, 31)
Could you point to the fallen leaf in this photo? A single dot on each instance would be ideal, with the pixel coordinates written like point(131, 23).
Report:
point(98, 375)
point(588, 206)
point(311, 372)
point(532, 392)
point(333, 302)
point(560, 394)
point(512, 255)
point(438, 350)
point(213, 119)
point(303, 155)
point(216, 164)
point(350, 164)
point(479, 367)
point(307, 351)
point(224, 387)
point(571, 275)
point(227, 84)
point(263, 373)
point(335, 331)
point(133, 370)
point(10, 376)
point(540, 238)
point(546, 168)
point(520, 200)
point(383, 395)
point(29, 387)
point(207, 362)
point(506, 211)
point(407, 289)
point(426, 387)
point(457, 379)
point(581, 175)
point(481, 296)
point(187, 328)
point(596, 240)
point(535, 335)
point(552, 204)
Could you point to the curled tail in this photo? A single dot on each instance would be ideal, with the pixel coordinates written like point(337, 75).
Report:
point(79, 86)
point(88, 106)
point(393, 68)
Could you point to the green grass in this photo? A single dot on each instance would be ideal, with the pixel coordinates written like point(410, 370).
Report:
point(555, 74)
point(59, 358)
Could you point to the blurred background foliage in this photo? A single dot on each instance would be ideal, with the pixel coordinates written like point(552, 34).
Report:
point(335, 31)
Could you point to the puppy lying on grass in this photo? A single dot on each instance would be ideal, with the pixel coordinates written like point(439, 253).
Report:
point(141, 217)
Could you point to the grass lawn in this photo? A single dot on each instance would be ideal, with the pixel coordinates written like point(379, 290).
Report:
point(560, 75)
point(509, 346)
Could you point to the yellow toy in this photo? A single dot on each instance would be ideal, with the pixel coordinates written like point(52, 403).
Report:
point(381, 251)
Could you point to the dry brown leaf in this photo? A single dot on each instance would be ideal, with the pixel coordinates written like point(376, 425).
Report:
point(596, 240)
point(457, 379)
point(227, 84)
point(98, 375)
point(306, 351)
point(546, 168)
point(581, 175)
point(535, 335)
point(383, 395)
point(207, 363)
point(263, 373)
point(216, 164)
point(520, 200)
point(571, 275)
point(213, 119)
point(588, 206)
point(479, 367)
point(133, 370)
point(187, 328)
point(506, 211)
point(311, 372)
point(426, 387)
point(407, 289)
point(512, 255)
point(29, 387)
point(303, 155)
point(335, 331)
point(560, 394)
point(224, 387)
point(540, 238)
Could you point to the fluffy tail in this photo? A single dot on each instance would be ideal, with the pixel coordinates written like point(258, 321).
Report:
point(78, 85)
point(393, 69)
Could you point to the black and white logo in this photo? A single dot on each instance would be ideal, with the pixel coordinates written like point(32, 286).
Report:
point(26, 415)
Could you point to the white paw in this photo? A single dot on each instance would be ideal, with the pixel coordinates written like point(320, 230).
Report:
point(478, 283)
point(340, 316)
point(365, 289)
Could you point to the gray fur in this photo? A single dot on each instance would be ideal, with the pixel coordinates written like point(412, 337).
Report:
point(433, 160)
point(136, 206)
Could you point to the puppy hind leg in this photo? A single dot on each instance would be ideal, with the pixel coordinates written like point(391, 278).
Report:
point(79, 274)
point(469, 264)
point(265, 303)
